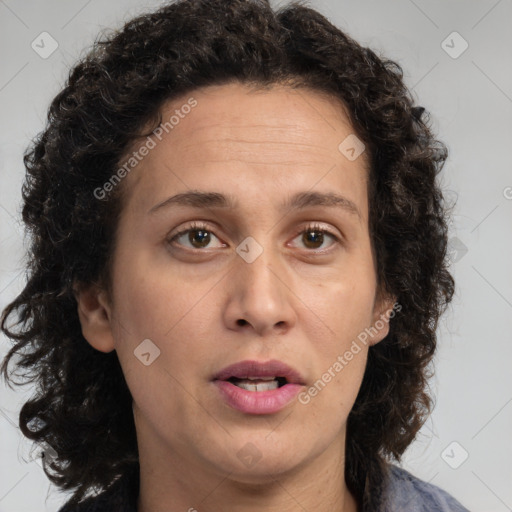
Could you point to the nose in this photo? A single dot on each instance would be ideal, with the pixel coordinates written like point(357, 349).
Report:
point(259, 297)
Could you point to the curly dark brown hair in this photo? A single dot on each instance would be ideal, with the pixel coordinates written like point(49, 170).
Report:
point(83, 407)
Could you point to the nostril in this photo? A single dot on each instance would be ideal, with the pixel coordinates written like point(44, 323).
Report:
point(241, 322)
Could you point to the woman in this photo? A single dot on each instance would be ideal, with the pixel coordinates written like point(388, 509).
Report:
point(237, 269)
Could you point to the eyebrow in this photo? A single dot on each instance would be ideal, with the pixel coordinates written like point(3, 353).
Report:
point(301, 200)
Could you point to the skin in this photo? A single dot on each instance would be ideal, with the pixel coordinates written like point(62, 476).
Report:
point(206, 308)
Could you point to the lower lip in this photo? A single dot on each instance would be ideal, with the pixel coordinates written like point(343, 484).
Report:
point(257, 402)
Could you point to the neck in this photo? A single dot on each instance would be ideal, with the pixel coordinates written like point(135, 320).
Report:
point(173, 483)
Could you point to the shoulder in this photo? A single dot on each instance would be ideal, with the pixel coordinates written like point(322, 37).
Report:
point(405, 492)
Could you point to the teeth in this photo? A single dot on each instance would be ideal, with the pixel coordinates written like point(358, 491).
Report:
point(260, 378)
point(269, 385)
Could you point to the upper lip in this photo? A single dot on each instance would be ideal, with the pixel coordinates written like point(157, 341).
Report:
point(273, 368)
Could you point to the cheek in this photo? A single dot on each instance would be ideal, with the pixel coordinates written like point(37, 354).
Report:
point(344, 301)
point(345, 306)
point(340, 356)
point(165, 309)
point(151, 301)
point(157, 342)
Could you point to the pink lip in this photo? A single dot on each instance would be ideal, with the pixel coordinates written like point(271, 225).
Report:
point(258, 402)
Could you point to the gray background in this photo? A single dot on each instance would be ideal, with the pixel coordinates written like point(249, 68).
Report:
point(470, 98)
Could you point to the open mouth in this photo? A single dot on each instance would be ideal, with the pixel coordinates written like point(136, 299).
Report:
point(257, 387)
point(259, 383)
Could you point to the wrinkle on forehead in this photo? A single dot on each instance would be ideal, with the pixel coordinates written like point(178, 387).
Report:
point(277, 128)
point(259, 152)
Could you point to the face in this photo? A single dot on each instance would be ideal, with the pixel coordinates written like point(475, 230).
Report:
point(274, 264)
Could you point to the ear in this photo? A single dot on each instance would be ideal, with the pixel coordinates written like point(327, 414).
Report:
point(385, 307)
point(95, 314)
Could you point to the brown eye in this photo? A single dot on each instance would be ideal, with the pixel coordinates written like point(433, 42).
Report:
point(199, 238)
point(195, 237)
point(313, 239)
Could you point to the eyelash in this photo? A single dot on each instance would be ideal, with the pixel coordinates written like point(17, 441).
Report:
point(198, 226)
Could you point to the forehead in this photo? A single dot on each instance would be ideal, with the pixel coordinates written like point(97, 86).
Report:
point(245, 135)
point(243, 115)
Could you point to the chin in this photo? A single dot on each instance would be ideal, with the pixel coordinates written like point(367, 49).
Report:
point(254, 466)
